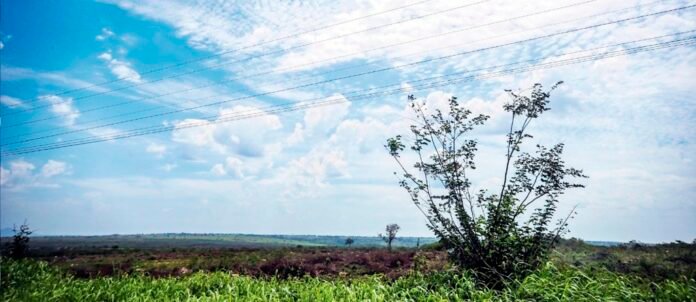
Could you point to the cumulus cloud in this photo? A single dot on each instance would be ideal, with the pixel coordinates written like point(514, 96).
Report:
point(157, 149)
point(21, 168)
point(232, 166)
point(235, 165)
point(245, 137)
point(63, 107)
point(297, 135)
point(53, 168)
point(323, 119)
point(21, 174)
point(218, 169)
point(11, 102)
point(121, 69)
point(303, 175)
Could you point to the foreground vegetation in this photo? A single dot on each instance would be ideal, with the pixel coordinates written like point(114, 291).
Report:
point(30, 280)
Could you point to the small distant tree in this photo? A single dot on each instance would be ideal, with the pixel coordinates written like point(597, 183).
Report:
point(390, 235)
point(349, 241)
point(495, 235)
point(19, 247)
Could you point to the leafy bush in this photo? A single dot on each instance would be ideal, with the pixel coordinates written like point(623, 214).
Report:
point(485, 232)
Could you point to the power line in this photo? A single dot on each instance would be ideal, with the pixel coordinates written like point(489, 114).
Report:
point(315, 62)
point(187, 62)
point(295, 106)
point(344, 77)
point(304, 106)
point(254, 56)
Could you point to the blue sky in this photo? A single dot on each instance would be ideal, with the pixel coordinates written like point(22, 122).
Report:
point(626, 120)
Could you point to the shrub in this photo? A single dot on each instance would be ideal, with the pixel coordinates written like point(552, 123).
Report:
point(483, 231)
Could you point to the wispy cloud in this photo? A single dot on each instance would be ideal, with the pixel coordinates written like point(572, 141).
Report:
point(105, 34)
point(121, 69)
point(11, 102)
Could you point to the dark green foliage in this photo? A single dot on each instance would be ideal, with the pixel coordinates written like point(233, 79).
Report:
point(485, 232)
point(349, 241)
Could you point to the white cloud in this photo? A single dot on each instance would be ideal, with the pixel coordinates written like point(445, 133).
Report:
point(232, 166)
point(105, 34)
point(203, 135)
point(106, 56)
point(246, 137)
point(53, 168)
point(305, 175)
point(11, 102)
point(20, 174)
point(10, 73)
point(157, 149)
point(21, 168)
point(218, 169)
point(323, 119)
point(63, 107)
point(169, 167)
point(297, 135)
point(121, 69)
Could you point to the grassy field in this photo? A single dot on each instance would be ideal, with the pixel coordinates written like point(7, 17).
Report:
point(30, 280)
point(280, 271)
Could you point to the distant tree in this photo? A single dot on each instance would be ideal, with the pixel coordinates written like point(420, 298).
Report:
point(19, 247)
point(390, 235)
point(495, 235)
point(349, 241)
point(417, 243)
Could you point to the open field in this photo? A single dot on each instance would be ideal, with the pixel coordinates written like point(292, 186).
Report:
point(320, 256)
point(577, 271)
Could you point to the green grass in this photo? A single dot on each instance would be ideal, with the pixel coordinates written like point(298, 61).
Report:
point(30, 280)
